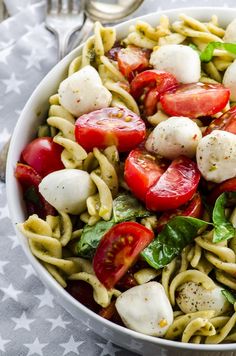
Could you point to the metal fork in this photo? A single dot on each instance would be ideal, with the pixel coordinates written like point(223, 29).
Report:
point(63, 19)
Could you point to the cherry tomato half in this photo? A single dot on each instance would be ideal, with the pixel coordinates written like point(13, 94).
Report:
point(29, 180)
point(194, 100)
point(43, 155)
point(152, 78)
point(192, 208)
point(227, 186)
point(142, 170)
point(118, 250)
point(175, 187)
point(110, 126)
point(226, 122)
point(150, 102)
point(131, 60)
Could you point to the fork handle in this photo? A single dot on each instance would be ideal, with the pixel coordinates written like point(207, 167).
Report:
point(84, 33)
point(63, 41)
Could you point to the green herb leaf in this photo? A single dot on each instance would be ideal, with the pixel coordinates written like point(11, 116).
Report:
point(229, 296)
point(224, 230)
point(32, 195)
point(91, 237)
point(178, 233)
point(207, 54)
point(126, 207)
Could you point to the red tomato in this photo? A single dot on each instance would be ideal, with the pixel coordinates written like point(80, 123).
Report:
point(29, 179)
point(43, 155)
point(127, 281)
point(226, 122)
point(227, 186)
point(110, 126)
point(192, 208)
point(131, 60)
point(194, 100)
point(152, 78)
point(118, 250)
point(175, 187)
point(150, 102)
point(142, 170)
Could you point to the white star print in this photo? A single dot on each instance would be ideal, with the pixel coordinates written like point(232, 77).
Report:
point(12, 84)
point(6, 44)
point(29, 270)
point(58, 322)
point(29, 28)
point(50, 42)
point(4, 213)
point(35, 348)
point(15, 241)
point(22, 322)
point(4, 55)
point(4, 134)
point(10, 293)
point(2, 264)
point(108, 349)
point(18, 112)
point(46, 299)
point(2, 343)
point(71, 346)
point(33, 60)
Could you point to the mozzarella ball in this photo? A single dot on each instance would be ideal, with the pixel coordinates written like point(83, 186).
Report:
point(230, 32)
point(173, 137)
point(229, 80)
point(192, 297)
point(83, 92)
point(216, 156)
point(182, 61)
point(67, 190)
point(146, 309)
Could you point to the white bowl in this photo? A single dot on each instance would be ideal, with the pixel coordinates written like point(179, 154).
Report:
point(25, 130)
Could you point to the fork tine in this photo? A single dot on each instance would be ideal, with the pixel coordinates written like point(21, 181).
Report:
point(75, 6)
point(54, 6)
point(65, 6)
point(48, 5)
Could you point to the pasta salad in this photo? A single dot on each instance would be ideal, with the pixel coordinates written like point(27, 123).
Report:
point(130, 185)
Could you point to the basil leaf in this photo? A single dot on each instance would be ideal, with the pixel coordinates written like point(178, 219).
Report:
point(32, 195)
point(177, 233)
point(207, 54)
point(229, 296)
point(224, 230)
point(91, 237)
point(126, 207)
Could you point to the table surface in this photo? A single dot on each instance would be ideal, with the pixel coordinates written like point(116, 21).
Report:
point(32, 323)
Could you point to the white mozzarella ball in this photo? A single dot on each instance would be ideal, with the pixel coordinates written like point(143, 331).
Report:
point(192, 297)
point(174, 137)
point(182, 61)
point(216, 156)
point(146, 308)
point(229, 80)
point(83, 92)
point(230, 32)
point(67, 190)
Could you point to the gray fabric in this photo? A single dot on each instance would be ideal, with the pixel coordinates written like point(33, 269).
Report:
point(31, 322)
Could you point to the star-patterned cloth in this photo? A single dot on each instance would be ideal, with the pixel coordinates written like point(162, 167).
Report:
point(32, 323)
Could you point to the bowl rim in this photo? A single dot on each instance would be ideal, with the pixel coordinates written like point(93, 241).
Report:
point(42, 273)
